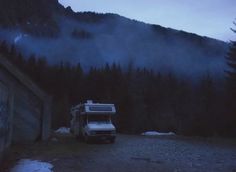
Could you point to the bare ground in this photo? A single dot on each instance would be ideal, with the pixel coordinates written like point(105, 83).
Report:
point(131, 153)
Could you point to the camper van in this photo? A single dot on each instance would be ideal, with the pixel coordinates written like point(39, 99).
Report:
point(93, 121)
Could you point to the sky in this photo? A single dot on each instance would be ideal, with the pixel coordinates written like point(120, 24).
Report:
point(212, 18)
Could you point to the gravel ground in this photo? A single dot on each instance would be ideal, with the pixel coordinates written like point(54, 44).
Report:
point(132, 154)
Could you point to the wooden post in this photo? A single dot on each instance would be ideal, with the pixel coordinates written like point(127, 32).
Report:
point(46, 120)
point(11, 113)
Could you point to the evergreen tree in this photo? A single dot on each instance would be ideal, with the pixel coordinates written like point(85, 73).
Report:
point(204, 116)
point(231, 83)
point(231, 72)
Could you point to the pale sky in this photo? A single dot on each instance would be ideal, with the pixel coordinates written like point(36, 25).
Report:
point(212, 18)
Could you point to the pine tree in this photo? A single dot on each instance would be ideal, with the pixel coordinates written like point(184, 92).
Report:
point(231, 72)
point(231, 83)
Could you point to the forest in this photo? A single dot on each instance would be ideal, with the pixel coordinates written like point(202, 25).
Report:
point(145, 100)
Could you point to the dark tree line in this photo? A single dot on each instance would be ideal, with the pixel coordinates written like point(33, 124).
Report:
point(231, 84)
point(145, 100)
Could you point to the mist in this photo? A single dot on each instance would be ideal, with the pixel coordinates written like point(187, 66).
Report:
point(123, 41)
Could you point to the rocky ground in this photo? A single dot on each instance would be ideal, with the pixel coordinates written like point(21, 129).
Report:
point(130, 153)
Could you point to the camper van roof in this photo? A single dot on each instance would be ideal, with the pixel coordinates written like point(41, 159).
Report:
point(99, 108)
point(95, 108)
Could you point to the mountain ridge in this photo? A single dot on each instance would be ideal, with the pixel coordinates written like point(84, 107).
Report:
point(60, 34)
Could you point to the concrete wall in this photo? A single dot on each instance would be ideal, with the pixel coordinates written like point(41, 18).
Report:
point(4, 116)
point(24, 109)
point(27, 120)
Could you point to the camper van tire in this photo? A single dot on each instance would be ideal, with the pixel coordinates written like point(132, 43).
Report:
point(87, 139)
point(112, 140)
point(78, 137)
point(71, 131)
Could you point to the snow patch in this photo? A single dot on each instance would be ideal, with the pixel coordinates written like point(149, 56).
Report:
point(27, 165)
point(155, 133)
point(63, 130)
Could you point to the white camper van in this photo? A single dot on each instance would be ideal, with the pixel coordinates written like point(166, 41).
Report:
point(93, 120)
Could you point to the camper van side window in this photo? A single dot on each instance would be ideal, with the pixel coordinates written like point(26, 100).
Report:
point(100, 108)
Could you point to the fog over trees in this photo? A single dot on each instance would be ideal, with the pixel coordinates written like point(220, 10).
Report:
point(231, 83)
point(145, 100)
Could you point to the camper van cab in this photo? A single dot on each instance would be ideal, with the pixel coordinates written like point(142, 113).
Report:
point(93, 121)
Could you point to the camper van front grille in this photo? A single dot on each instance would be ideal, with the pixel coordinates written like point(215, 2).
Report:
point(103, 132)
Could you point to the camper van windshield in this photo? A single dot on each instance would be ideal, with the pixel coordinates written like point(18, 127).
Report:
point(98, 118)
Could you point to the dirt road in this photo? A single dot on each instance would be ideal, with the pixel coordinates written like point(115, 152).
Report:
point(132, 154)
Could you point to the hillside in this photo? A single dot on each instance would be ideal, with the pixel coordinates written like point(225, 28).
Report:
point(46, 28)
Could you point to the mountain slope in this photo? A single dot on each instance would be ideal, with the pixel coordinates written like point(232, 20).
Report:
point(45, 28)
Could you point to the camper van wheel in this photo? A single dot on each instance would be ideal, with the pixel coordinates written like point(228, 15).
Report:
point(86, 138)
point(80, 137)
point(71, 131)
point(112, 140)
